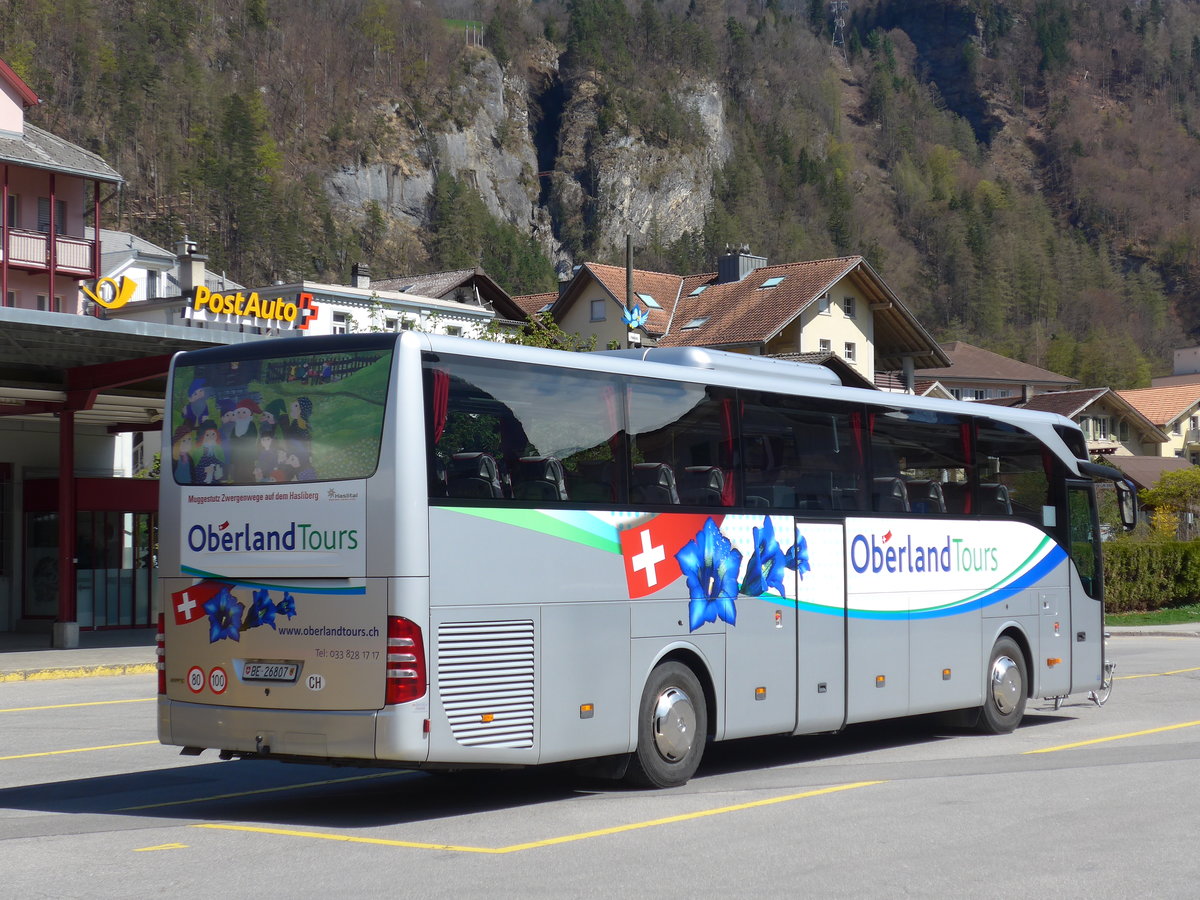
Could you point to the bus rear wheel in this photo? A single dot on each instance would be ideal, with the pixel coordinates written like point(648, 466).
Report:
point(672, 728)
point(1004, 695)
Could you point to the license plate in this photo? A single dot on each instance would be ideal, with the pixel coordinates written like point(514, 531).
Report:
point(269, 671)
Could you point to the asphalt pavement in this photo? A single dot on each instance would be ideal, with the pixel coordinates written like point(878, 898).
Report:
point(29, 657)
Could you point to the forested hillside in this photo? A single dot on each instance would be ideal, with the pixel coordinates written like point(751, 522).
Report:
point(1022, 172)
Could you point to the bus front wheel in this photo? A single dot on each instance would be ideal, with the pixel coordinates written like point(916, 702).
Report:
point(1004, 696)
point(672, 728)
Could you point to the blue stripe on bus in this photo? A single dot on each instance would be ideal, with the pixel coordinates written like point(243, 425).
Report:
point(1047, 564)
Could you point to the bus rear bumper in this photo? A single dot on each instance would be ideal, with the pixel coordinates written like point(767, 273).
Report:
point(316, 735)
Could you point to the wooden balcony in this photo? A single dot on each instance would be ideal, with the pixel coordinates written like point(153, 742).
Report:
point(30, 250)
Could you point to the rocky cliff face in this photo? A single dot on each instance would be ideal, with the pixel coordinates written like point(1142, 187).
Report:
point(531, 148)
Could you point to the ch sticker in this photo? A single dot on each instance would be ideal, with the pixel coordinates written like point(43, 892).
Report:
point(316, 682)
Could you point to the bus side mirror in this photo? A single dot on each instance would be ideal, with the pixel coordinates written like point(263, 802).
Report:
point(1127, 502)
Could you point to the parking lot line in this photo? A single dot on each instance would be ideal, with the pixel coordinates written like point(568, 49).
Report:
point(1115, 737)
point(1158, 674)
point(270, 790)
point(73, 705)
point(76, 750)
point(547, 842)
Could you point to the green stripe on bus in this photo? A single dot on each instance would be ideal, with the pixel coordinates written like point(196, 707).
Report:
point(535, 520)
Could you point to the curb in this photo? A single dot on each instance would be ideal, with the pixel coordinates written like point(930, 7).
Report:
point(78, 672)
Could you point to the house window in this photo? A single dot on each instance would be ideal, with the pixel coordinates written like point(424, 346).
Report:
point(454, 330)
point(341, 323)
point(1193, 422)
point(956, 393)
point(1101, 427)
point(406, 324)
point(1003, 392)
point(41, 304)
point(1123, 430)
point(151, 285)
point(60, 215)
point(1177, 426)
point(11, 300)
point(851, 351)
point(389, 324)
point(649, 301)
point(14, 207)
point(826, 345)
point(849, 307)
point(978, 393)
point(823, 305)
point(598, 311)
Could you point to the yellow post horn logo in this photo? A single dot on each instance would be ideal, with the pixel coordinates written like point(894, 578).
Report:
point(120, 292)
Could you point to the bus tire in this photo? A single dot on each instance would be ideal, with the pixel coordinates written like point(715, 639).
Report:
point(672, 728)
point(1005, 692)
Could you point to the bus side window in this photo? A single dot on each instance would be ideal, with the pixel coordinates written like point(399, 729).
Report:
point(682, 439)
point(1015, 472)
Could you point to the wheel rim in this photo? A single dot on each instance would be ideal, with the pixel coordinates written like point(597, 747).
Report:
point(674, 724)
point(1006, 685)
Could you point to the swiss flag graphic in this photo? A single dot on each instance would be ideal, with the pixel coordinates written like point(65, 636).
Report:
point(649, 550)
point(188, 604)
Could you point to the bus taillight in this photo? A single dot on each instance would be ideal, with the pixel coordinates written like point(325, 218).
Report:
point(160, 653)
point(405, 661)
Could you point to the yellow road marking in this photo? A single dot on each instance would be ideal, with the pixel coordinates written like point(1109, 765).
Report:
point(77, 750)
point(270, 790)
point(160, 847)
point(548, 842)
point(1158, 674)
point(1115, 737)
point(79, 672)
point(73, 705)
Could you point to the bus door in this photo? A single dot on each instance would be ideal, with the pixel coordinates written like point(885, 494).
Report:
point(820, 574)
point(1086, 624)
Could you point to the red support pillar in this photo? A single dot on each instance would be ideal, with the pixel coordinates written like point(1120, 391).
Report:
point(52, 249)
point(66, 628)
point(4, 244)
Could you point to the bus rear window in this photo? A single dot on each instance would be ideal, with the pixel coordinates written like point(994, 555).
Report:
point(277, 419)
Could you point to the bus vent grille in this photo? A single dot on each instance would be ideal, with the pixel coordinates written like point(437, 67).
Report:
point(485, 679)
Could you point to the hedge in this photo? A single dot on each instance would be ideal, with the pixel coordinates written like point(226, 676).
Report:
point(1142, 575)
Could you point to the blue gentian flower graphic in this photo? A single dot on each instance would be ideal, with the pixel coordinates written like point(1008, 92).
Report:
point(224, 616)
point(286, 606)
point(710, 563)
point(635, 316)
point(764, 570)
point(262, 612)
point(797, 556)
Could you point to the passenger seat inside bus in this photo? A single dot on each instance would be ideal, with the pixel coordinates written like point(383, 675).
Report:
point(593, 481)
point(925, 496)
point(993, 500)
point(653, 482)
point(540, 478)
point(702, 486)
point(889, 495)
point(474, 475)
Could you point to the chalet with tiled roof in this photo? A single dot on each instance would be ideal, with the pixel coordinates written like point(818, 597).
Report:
point(1111, 425)
point(1176, 410)
point(831, 307)
point(978, 374)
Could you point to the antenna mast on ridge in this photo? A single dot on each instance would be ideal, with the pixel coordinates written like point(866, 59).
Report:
point(838, 9)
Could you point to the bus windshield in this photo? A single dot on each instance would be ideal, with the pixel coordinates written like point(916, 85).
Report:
point(310, 417)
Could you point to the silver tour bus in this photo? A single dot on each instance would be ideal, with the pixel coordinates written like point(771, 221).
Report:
point(423, 551)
